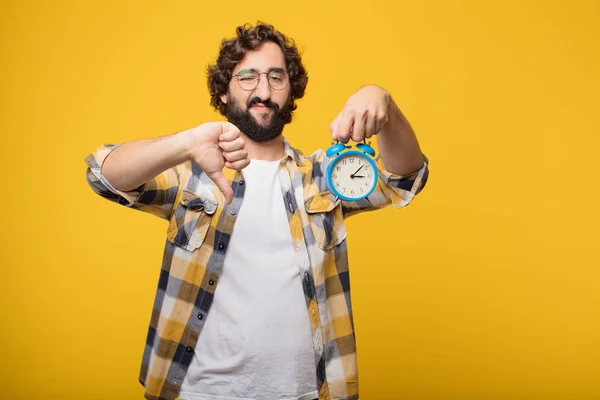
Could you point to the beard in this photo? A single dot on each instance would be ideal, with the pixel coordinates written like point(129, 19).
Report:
point(248, 125)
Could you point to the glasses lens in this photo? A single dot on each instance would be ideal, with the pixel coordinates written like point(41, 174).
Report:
point(278, 79)
point(248, 80)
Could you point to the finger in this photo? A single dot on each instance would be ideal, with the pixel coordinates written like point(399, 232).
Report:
point(382, 119)
point(333, 127)
point(360, 124)
point(379, 124)
point(371, 126)
point(238, 165)
point(376, 129)
point(233, 145)
point(235, 155)
point(345, 127)
point(223, 184)
point(229, 132)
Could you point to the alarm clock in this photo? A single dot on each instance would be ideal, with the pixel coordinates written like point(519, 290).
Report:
point(352, 174)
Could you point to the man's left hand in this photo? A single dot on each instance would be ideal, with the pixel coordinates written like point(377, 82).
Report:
point(364, 115)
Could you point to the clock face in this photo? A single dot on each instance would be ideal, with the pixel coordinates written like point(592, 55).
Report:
point(352, 176)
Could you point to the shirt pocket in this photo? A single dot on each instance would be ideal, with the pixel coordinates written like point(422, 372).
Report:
point(326, 220)
point(191, 220)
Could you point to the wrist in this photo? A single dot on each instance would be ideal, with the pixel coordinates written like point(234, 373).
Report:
point(183, 143)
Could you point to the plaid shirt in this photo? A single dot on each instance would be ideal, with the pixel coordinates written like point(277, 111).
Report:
point(200, 225)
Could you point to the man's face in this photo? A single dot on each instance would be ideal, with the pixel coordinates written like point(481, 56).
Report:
point(259, 113)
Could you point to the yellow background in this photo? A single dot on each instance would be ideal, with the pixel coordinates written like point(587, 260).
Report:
point(486, 287)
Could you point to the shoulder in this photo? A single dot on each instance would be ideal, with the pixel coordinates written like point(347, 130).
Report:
point(313, 164)
point(317, 156)
point(313, 170)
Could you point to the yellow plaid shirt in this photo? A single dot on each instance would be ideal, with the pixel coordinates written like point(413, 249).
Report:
point(200, 225)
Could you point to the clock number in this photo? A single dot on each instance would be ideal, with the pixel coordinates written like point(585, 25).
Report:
point(352, 160)
point(338, 168)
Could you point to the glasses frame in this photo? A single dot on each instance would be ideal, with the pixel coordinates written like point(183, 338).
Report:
point(278, 70)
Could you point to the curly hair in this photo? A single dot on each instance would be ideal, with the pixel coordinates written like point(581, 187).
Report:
point(250, 38)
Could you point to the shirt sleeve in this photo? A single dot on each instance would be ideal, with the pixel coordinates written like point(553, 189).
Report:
point(397, 190)
point(156, 196)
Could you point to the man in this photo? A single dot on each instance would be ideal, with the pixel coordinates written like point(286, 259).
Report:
point(250, 215)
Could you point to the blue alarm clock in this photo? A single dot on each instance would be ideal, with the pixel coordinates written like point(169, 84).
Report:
point(352, 174)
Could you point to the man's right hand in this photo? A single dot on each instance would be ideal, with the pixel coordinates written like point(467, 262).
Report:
point(215, 145)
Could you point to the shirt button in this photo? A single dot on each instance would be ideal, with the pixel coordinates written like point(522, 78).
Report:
point(241, 183)
point(211, 282)
point(200, 316)
point(232, 211)
point(221, 246)
point(188, 349)
point(123, 201)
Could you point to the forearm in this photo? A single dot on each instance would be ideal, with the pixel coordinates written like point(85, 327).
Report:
point(398, 145)
point(135, 163)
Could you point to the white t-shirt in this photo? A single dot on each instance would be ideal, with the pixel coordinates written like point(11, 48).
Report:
point(256, 342)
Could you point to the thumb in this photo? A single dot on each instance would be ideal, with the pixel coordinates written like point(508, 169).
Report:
point(223, 184)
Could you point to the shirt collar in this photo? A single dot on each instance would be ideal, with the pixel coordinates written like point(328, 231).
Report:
point(292, 153)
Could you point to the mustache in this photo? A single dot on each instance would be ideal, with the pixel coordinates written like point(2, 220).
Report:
point(267, 103)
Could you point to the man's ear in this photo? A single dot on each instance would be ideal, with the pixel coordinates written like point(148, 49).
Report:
point(224, 98)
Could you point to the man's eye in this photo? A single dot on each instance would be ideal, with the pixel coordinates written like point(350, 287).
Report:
point(247, 78)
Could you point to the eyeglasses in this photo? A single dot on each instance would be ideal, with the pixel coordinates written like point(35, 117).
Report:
point(248, 79)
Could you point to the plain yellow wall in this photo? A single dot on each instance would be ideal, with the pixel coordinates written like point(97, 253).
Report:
point(486, 287)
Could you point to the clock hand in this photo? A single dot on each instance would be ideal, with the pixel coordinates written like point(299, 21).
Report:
point(358, 176)
point(355, 172)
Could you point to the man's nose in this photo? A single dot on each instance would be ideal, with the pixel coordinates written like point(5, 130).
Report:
point(263, 90)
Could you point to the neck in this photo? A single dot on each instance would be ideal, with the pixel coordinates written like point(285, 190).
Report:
point(267, 151)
